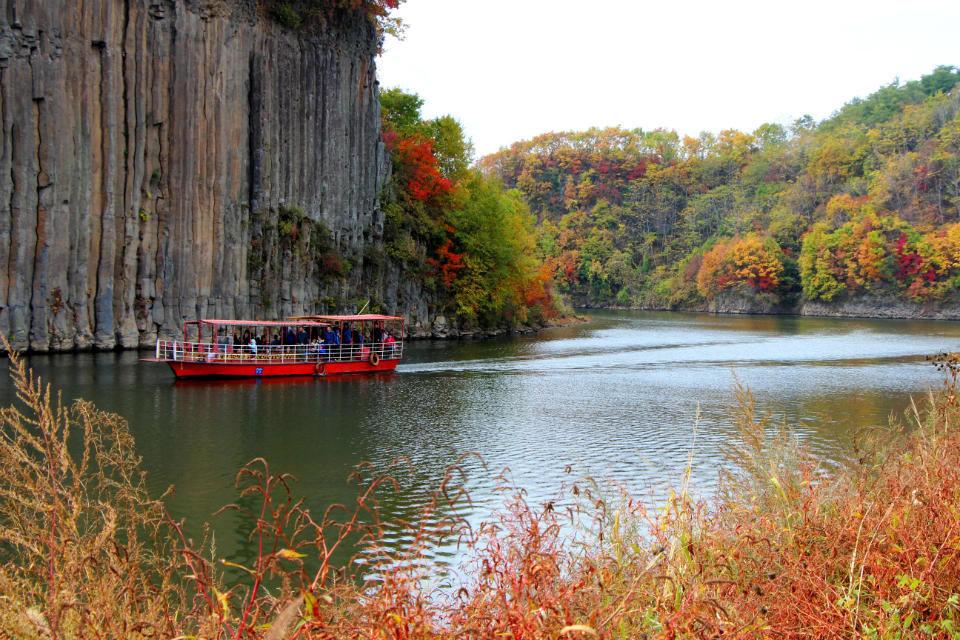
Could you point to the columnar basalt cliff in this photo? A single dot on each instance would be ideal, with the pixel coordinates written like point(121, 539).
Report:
point(163, 160)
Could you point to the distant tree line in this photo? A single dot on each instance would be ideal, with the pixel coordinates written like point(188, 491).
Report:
point(867, 201)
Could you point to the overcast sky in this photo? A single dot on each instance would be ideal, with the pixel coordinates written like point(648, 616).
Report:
point(510, 69)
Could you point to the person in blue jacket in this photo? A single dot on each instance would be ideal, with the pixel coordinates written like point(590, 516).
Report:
point(331, 338)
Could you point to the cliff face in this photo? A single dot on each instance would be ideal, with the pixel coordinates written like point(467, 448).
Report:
point(163, 160)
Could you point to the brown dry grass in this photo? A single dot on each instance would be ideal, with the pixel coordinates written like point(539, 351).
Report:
point(85, 551)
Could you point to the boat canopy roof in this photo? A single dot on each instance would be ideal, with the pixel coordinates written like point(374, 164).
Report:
point(350, 318)
point(261, 323)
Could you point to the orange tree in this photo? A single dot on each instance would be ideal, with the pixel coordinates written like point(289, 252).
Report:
point(749, 262)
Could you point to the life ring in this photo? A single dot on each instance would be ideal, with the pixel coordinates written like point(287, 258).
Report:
point(374, 359)
point(320, 369)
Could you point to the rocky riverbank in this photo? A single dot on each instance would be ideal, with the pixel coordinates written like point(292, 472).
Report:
point(873, 307)
point(444, 329)
point(853, 307)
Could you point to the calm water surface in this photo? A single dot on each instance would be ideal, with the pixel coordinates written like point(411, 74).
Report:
point(616, 399)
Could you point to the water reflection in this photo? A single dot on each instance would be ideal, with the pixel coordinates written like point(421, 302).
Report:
point(616, 399)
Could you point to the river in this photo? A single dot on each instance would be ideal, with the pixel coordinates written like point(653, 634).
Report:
point(617, 398)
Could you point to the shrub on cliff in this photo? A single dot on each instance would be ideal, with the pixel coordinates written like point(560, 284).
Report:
point(294, 14)
point(286, 15)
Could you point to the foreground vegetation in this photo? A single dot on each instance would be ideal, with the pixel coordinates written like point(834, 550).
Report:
point(864, 203)
point(785, 550)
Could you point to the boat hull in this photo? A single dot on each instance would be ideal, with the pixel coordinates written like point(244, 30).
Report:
point(267, 370)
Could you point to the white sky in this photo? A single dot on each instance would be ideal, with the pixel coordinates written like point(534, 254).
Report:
point(510, 69)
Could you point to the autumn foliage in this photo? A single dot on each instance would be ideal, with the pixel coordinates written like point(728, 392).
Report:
point(417, 167)
point(447, 263)
point(461, 233)
point(624, 213)
point(740, 262)
point(878, 253)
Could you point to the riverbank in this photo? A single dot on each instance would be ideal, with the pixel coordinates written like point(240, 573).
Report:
point(866, 307)
point(855, 307)
point(786, 547)
point(442, 329)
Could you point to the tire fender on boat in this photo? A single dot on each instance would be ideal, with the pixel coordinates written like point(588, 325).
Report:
point(320, 369)
point(374, 359)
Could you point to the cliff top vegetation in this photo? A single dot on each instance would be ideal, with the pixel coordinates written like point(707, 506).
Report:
point(296, 14)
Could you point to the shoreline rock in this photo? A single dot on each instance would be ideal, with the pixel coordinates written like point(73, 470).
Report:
point(442, 329)
point(867, 307)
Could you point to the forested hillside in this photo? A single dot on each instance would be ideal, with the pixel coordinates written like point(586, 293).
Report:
point(865, 203)
point(469, 241)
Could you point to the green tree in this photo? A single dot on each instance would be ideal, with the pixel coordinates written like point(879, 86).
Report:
point(451, 147)
point(400, 111)
point(494, 230)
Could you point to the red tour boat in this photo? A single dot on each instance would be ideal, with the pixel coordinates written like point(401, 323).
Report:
point(299, 346)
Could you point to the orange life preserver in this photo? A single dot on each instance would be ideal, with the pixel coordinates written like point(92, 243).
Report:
point(374, 359)
point(320, 369)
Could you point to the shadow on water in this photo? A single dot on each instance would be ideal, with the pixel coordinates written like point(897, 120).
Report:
point(615, 398)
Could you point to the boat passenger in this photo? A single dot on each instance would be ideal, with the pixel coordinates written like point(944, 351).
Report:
point(364, 349)
point(347, 334)
point(276, 341)
point(389, 344)
point(377, 332)
point(253, 346)
point(330, 336)
point(318, 347)
point(303, 337)
point(332, 340)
